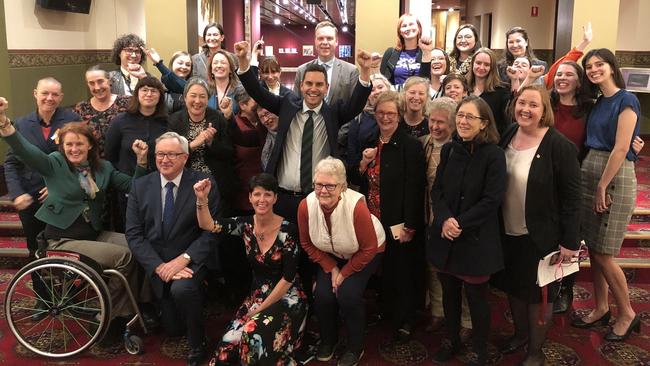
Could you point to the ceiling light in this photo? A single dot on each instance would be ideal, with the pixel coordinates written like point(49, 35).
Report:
point(344, 28)
point(276, 21)
point(285, 2)
point(451, 9)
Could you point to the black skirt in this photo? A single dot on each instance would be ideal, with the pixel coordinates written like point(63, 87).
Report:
point(519, 277)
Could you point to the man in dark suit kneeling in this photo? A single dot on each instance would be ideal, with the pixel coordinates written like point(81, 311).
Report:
point(164, 236)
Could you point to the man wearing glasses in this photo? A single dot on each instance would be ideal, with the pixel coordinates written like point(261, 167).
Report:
point(128, 55)
point(164, 236)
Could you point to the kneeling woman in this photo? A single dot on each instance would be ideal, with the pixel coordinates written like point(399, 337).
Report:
point(268, 325)
point(77, 180)
point(338, 232)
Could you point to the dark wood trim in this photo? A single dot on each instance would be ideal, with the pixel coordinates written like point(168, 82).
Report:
point(563, 27)
point(192, 26)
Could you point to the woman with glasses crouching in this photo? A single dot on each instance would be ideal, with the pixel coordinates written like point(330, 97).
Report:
point(464, 241)
point(339, 233)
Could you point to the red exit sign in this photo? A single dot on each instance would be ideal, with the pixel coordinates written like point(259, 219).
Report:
point(534, 11)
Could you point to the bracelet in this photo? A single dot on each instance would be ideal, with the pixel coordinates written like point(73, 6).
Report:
point(200, 205)
point(217, 228)
point(6, 124)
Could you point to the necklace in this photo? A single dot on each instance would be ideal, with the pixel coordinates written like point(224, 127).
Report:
point(260, 233)
point(384, 141)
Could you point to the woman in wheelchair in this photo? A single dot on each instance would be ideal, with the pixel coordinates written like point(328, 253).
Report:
point(77, 180)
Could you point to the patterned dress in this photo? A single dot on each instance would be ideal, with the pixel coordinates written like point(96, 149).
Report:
point(270, 336)
point(100, 120)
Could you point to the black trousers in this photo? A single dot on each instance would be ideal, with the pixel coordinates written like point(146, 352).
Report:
point(32, 227)
point(479, 309)
point(182, 308)
point(398, 277)
point(348, 301)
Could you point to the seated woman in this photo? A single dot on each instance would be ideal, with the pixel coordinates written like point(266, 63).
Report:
point(103, 106)
point(269, 323)
point(77, 180)
point(339, 233)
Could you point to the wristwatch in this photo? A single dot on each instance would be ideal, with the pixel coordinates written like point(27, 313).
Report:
point(187, 256)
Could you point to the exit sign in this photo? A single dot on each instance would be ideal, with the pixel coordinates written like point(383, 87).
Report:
point(534, 11)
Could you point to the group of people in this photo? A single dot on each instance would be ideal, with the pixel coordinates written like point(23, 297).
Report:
point(443, 174)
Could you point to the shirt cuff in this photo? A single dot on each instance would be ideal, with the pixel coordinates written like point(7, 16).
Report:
point(241, 72)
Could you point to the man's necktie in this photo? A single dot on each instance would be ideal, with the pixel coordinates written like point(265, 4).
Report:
point(168, 211)
point(306, 152)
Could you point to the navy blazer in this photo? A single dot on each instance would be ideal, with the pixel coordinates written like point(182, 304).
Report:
point(20, 178)
point(144, 229)
point(286, 107)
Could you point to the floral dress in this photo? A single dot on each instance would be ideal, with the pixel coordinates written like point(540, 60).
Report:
point(100, 120)
point(270, 336)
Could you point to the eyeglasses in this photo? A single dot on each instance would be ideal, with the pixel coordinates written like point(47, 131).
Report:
point(390, 115)
point(328, 187)
point(469, 117)
point(170, 155)
point(146, 90)
point(131, 50)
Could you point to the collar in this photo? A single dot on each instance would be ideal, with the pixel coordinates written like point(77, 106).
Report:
point(177, 180)
point(125, 72)
point(41, 121)
point(316, 110)
point(329, 63)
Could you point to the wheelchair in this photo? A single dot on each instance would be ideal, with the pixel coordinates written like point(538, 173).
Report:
point(72, 311)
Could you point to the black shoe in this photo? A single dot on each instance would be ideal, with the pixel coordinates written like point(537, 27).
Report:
point(350, 358)
point(512, 345)
point(403, 334)
point(41, 310)
point(197, 355)
point(151, 320)
point(635, 326)
point(446, 352)
point(604, 320)
point(325, 352)
point(305, 354)
point(564, 301)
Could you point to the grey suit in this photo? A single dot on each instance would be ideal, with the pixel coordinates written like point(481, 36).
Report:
point(344, 78)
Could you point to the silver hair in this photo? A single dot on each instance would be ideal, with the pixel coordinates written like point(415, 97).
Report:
point(195, 80)
point(382, 79)
point(334, 167)
point(173, 135)
point(444, 104)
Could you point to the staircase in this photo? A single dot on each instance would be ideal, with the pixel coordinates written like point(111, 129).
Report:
point(12, 238)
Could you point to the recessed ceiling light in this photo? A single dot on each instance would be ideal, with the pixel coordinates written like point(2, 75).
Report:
point(344, 28)
point(276, 21)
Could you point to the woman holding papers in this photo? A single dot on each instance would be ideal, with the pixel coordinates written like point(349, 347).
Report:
point(540, 211)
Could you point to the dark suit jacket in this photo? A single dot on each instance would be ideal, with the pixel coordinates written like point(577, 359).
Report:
point(144, 231)
point(344, 76)
point(553, 195)
point(287, 106)
point(469, 186)
point(20, 178)
point(402, 180)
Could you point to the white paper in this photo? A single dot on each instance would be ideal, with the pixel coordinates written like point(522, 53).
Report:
point(547, 273)
point(268, 50)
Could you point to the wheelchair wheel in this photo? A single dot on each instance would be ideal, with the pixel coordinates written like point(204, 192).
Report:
point(65, 317)
point(133, 344)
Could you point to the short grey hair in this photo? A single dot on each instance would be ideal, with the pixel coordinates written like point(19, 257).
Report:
point(445, 104)
point(195, 80)
point(173, 135)
point(382, 79)
point(334, 167)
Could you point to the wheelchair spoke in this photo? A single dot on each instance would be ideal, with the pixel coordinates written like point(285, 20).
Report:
point(82, 326)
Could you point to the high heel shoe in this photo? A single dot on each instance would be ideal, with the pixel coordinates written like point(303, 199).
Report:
point(604, 320)
point(635, 326)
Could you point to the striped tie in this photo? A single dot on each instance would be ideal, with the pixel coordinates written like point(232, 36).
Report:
point(305, 153)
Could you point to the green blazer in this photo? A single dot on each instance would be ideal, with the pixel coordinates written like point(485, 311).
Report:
point(66, 200)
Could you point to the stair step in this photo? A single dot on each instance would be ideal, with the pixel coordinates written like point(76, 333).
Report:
point(639, 211)
point(629, 258)
point(13, 247)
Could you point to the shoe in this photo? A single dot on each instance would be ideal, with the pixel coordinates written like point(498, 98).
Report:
point(446, 352)
point(325, 352)
point(635, 326)
point(512, 345)
point(604, 320)
point(151, 320)
point(41, 310)
point(436, 323)
point(564, 301)
point(350, 358)
point(403, 334)
point(197, 355)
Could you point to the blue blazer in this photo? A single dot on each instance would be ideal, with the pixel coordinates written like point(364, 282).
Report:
point(20, 178)
point(144, 230)
point(286, 107)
